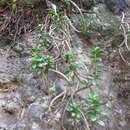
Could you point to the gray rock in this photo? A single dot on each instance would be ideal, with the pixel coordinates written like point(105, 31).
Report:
point(98, 27)
point(18, 47)
point(12, 103)
point(36, 126)
point(116, 6)
point(22, 49)
point(20, 125)
point(36, 112)
point(28, 95)
point(6, 78)
point(127, 2)
point(3, 126)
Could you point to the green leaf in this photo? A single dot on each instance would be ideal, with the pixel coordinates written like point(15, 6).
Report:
point(71, 109)
point(55, 9)
point(98, 110)
point(32, 59)
point(34, 66)
point(40, 65)
point(96, 50)
point(71, 73)
point(52, 90)
point(14, 6)
point(39, 72)
point(93, 117)
point(39, 35)
point(73, 114)
point(101, 123)
point(104, 113)
point(78, 115)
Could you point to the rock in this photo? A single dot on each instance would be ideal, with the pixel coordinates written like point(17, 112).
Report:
point(5, 40)
point(12, 103)
point(18, 48)
point(6, 79)
point(127, 2)
point(22, 49)
point(19, 125)
point(3, 126)
point(99, 27)
point(116, 6)
point(28, 95)
point(36, 112)
point(36, 126)
point(11, 107)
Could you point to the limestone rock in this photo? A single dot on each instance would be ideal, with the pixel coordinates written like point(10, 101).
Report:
point(7, 80)
point(116, 6)
point(128, 2)
point(101, 25)
point(36, 112)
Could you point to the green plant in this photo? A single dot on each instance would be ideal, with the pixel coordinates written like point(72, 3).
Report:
point(96, 51)
point(72, 64)
point(41, 64)
point(58, 18)
point(70, 69)
point(14, 4)
point(74, 110)
point(44, 37)
point(91, 106)
point(52, 90)
point(94, 109)
point(69, 56)
point(53, 10)
point(94, 101)
point(96, 73)
point(37, 49)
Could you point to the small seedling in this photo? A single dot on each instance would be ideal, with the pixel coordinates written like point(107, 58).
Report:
point(69, 56)
point(53, 10)
point(96, 73)
point(37, 49)
point(74, 110)
point(94, 109)
point(52, 90)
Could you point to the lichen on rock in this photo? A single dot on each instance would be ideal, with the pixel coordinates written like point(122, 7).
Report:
point(99, 23)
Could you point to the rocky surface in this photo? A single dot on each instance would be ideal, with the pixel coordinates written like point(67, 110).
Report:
point(100, 25)
point(26, 106)
point(116, 6)
point(24, 100)
point(128, 2)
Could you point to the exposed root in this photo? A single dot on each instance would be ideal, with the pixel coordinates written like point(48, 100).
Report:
point(54, 99)
point(125, 28)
